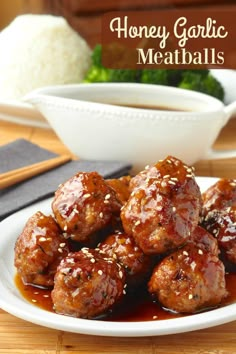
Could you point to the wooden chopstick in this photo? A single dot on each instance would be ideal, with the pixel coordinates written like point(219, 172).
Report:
point(12, 177)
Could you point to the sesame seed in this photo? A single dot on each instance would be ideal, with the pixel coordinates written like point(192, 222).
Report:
point(45, 295)
point(85, 249)
point(193, 265)
point(154, 317)
point(190, 296)
point(171, 182)
point(100, 272)
point(70, 260)
point(87, 195)
point(106, 201)
point(174, 209)
point(137, 222)
point(33, 300)
point(146, 167)
point(185, 253)
point(124, 292)
point(169, 161)
point(101, 215)
point(76, 292)
point(107, 196)
point(174, 179)
point(120, 274)
point(65, 228)
point(42, 239)
point(200, 252)
point(92, 260)
point(62, 244)
point(159, 208)
point(75, 211)
point(189, 176)
point(41, 217)
point(36, 292)
point(166, 176)
point(60, 250)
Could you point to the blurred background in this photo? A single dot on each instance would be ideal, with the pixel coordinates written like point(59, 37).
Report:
point(85, 15)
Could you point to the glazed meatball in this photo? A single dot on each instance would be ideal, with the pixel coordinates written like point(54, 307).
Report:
point(189, 280)
point(222, 224)
point(163, 208)
point(220, 195)
point(87, 284)
point(121, 188)
point(137, 265)
point(38, 250)
point(204, 240)
point(84, 204)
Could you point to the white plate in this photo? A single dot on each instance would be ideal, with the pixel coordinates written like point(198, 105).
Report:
point(12, 301)
point(22, 113)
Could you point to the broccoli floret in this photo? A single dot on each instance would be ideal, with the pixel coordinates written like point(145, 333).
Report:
point(205, 84)
point(201, 72)
point(152, 76)
point(97, 74)
point(101, 74)
point(197, 80)
point(161, 77)
point(124, 75)
point(97, 55)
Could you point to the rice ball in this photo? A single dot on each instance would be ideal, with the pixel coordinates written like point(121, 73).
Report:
point(40, 50)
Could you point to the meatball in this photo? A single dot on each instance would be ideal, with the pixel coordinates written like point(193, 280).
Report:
point(39, 249)
point(87, 284)
point(123, 248)
point(121, 188)
point(189, 280)
point(84, 204)
point(222, 224)
point(163, 209)
point(204, 240)
point(220, 195)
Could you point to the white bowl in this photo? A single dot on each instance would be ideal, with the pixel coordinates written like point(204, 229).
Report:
point(87, 120)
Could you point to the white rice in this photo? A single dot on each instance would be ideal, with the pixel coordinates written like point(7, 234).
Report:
point(40, 50)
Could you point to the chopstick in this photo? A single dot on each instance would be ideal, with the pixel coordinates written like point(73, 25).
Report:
point(12, 177)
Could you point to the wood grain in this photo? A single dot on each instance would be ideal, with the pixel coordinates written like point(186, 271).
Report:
point(21, 337)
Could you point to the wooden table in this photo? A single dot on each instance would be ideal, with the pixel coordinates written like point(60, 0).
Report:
point(18, 336)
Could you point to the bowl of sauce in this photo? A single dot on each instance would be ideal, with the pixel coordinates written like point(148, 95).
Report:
point(137, 123)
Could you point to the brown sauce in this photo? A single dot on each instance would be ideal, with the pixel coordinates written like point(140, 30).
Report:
point(152, 107)
point(140, 308)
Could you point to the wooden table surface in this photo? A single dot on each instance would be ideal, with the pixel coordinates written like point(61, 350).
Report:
point(21, 337)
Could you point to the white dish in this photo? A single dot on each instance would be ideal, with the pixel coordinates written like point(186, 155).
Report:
point(12, 301)
point(17, 111)
point(21, 112)
point(92, 128)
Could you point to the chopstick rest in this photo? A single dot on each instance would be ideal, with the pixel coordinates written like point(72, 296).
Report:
point(18, 175)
